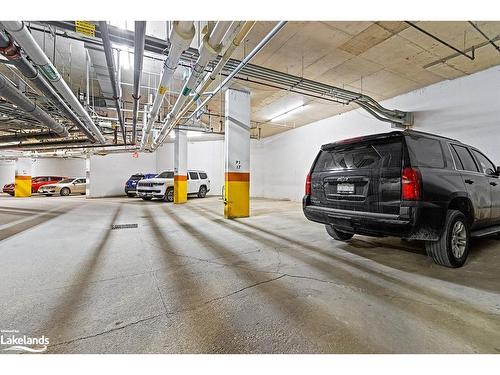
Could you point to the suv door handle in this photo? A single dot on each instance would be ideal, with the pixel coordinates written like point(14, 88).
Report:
point(493, 184)
point(469, 181)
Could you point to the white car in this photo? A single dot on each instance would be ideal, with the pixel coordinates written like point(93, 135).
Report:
point(162, 186)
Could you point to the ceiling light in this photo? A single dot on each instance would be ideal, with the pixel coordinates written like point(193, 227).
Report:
point(289, 112)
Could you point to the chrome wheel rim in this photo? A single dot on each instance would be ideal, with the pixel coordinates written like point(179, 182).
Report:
point(458, 239)
point(170, 195)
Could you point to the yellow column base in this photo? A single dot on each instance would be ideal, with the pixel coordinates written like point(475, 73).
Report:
point(237, 195)
point(22, 187)
point(180, 189)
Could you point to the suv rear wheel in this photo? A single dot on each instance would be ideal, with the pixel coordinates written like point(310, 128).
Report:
point(337, 234)
point(452, 248)
point(203, 191)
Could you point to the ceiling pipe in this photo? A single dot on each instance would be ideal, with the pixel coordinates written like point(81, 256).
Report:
point(139, 40)
point(245, 61)
point(108, 51)
point(180, 39)
point(12, 94)
point(24, 38)
point(209, 50)
point(39, 135)
point(209, 79)
point(13, 54)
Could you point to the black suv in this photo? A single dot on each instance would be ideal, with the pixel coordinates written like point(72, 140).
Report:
point(406, 184)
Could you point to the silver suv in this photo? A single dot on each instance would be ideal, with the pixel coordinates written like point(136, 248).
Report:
point(162, 186)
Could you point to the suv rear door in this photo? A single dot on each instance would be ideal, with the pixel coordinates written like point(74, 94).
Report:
point(193, 182)
point(361, 176)
point(476, 183)
point(489, 170)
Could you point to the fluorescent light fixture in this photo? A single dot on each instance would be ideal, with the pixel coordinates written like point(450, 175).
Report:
point(289, 112)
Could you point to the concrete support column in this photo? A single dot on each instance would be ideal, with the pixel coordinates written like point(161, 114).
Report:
point(180, 166)
point(237, 153)
point(22, 187)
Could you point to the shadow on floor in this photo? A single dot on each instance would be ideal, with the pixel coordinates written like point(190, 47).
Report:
point(292, 304)
point(374, 282)
point(57, 324)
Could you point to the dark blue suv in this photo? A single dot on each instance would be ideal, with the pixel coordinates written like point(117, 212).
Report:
point(131, 184)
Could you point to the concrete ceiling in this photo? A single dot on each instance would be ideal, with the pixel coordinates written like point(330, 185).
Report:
point(380, 59)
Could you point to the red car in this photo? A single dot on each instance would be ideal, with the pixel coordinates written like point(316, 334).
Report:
point(36, 182)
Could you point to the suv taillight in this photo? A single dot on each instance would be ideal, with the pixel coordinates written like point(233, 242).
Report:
point(308, 184)
point(411, 185)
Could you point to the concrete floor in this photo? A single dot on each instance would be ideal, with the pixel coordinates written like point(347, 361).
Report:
point(188, 281)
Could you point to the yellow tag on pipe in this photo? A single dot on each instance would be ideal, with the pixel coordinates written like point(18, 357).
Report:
point(162, 90)
point(85, 28)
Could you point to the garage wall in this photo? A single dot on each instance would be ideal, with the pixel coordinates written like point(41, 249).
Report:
point(108, 173)
point(466, 108)
point(205, 155)
point(7, 172)
point(71, 167)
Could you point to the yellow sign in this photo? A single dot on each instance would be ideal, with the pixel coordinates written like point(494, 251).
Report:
point(162, 90)
point(85, 28)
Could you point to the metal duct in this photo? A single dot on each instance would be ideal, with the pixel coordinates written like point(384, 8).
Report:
point(140, 36)
point(245, 61)
point(23, 37)
point(209, 79)
point(180, 38)
point(209, 50)
point(103, 27)
point(13, 54)
point(12, 94)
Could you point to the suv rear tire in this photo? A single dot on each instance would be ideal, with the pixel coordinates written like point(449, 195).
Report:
point(337, 234)
point(452, 248)
point(203, 191)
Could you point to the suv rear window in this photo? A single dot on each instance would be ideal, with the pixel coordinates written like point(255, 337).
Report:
point(425, 152)
point(360, 156)
point(465, 161)
point(203, 175)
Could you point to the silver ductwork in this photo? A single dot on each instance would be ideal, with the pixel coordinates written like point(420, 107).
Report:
point(140, 35)
point(16, 97)
point(180, 38)
point(209, 50)
point(13, 54)
point(103, 28)
point(24, 38)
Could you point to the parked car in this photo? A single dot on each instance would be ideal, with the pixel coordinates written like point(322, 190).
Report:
point(162, 186)
point(65, 187)
point(9, 189)
point(407, 184)
point(36, 183)
point(131, 184)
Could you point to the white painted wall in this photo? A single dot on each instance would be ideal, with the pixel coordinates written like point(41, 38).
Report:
point(7, 172)
point(466, 108)
point(204, 155)
point(108, 174)
point(70, 167)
